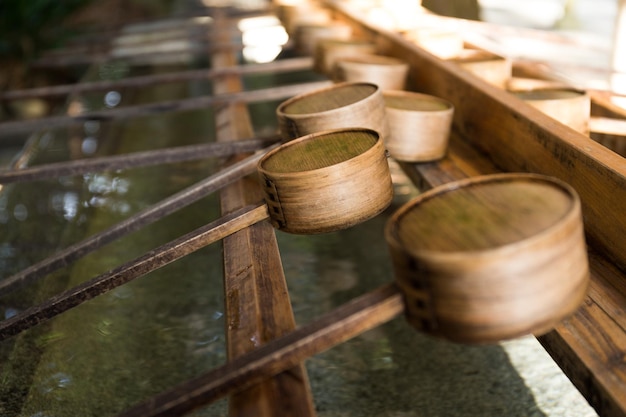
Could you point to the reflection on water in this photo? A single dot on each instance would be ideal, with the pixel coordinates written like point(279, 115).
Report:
point(138, 339)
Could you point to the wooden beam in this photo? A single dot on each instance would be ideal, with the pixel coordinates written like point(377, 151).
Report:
point(258, 307)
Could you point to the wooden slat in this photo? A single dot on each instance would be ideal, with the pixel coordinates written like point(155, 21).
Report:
point(590, 346)
point(258, 307)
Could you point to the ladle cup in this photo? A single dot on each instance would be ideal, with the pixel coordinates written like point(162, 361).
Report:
point(342, 105)
point(490, 258)
point(326, 181)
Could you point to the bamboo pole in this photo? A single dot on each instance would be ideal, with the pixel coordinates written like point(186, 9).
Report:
point(345, 322)
point(133, 223)
point(292, 64)
point(193, 103)
point(134, 160)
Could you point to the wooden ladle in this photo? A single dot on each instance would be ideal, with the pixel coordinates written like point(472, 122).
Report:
point(322, 182)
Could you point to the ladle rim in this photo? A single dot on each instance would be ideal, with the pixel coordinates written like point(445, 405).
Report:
point(497, 252)
point(281, 112)
point(311, 137)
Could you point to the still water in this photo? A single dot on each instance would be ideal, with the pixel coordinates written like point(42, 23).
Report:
point(168, 326)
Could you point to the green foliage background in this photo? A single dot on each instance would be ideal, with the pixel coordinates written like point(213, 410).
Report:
point(29, 26)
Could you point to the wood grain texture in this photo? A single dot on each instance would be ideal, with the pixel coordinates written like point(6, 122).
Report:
point(257, 303)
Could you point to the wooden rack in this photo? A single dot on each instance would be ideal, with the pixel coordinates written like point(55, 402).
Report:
point(492, 132)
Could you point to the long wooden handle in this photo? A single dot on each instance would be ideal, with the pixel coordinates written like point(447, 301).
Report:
point(345, 322)
point(149, 262)
point(134, 160)
point(292, 64)
point(135, 222)
point(185, 104)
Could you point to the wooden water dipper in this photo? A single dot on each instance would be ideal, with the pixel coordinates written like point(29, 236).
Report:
point(568, 105)
point(322, 182)
point(347, 104)
point(387, 72)
point(524, 234)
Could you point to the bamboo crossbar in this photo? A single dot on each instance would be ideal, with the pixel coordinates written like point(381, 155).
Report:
point(147, 216)
point(134, 160)
point(293, 64)
point(345, 322)
point(194, 103)
point(131, 57)
point(125, 40)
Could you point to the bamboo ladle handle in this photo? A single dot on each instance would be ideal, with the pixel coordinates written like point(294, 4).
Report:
point(135, 160)
point(134, 222)
point(343, 323)
point(348, 212)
